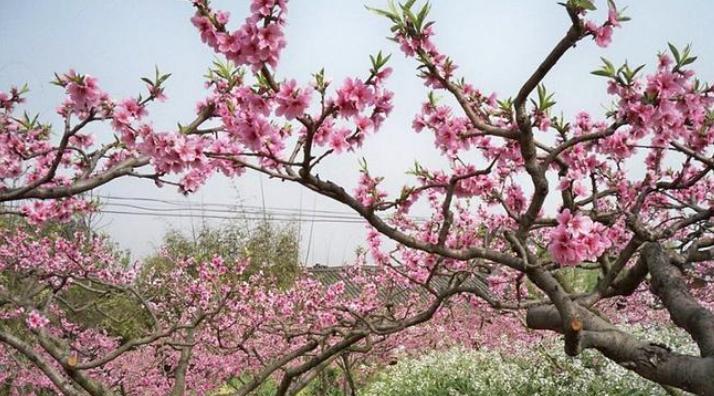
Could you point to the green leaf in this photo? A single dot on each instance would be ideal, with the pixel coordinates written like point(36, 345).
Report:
point(422, 15)
point(408, 5)
point(637, 70)
point(689, 61)
point(583, 4)
point(603, 73)
point(393, 8)
point(163, 78)
point(394, 18)
point(57, 81)
point(392, 14)
point(363, 165)
point(675, 52)
point(506, 105)
point(628, 73)
point(157, 74)
point(608, 65)
point(433, 99)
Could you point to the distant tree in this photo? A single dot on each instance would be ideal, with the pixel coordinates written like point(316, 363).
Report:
point(270, 247)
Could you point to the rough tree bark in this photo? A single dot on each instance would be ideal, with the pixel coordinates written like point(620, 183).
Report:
point(650, 360)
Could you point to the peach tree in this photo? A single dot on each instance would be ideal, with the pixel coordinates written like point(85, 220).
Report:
point(526, 194)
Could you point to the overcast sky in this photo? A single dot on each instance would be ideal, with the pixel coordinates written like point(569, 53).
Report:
point(496, 45)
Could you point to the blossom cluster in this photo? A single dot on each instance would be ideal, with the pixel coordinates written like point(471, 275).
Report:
point(257, 42)
point(602, 34)
point(576, 239)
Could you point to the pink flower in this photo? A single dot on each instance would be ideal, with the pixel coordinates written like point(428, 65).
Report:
point(292, 101)
point(222, 17)
point(127, 110)
point(382, 75)
point(664, 84)
point(583, 121)
point(254, 132)
point(367, 192)
point(271, 37)
point(579, 189)
point(564, 217)
point(81, 140)
point(257, 42)
point(618, 145)
point(338, 140)
point(35, 320)
point(353, 97)
point(562, 248)
point(229, 42)
point(515, 199)
point(38, 212)
point(576, 239)
point(543, 122)
point(603, 36)
point(205, 27)
point(664, 61)
point(363, 124)
point(262, 7)
point(84, 93)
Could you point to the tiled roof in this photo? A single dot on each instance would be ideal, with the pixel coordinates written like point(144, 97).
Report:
point(328, 275)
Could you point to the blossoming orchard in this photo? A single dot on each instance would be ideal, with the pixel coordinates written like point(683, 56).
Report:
point(484, 270)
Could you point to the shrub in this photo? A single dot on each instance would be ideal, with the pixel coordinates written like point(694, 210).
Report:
point(468, 372)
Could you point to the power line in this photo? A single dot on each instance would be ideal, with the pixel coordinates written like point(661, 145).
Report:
point(228, 211)
point(209, 216)
point(228, 205)
point(192, 209)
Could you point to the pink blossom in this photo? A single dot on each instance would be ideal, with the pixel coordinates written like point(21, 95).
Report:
point(84, 92)
point(353, 97)
point(543, 122)
point(229, 42)
point(664, 84)
point(367, 192)
point(583, 121)
point(292, 101)
point(257, 42)
point(576, 239)
point(36, 321)
point(264, 7)
point(338, 140)
point(515, 199)
point(603, 36)
point(204, 26)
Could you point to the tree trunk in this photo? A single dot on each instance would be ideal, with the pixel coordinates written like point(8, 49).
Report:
point(650, 360)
